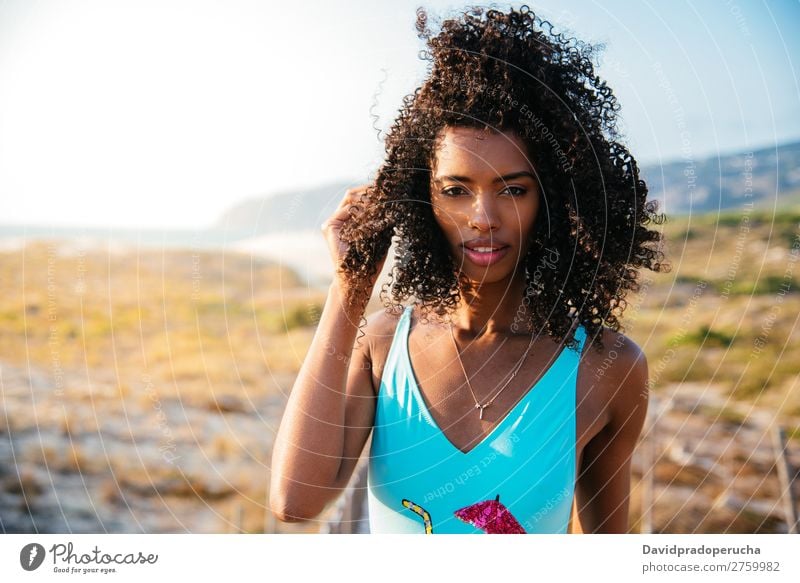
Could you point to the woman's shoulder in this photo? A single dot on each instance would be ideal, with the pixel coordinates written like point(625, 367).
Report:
point(614, 344)
point(379, 333)
point(383, 321)
point(381, 327)
point(619, 367)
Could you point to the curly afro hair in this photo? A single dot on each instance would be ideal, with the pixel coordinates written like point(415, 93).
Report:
point(510, 72)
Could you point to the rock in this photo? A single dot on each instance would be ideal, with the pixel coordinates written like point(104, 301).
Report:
point(228, 404)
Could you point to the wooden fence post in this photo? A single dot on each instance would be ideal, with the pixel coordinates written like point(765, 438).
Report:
point(786, 477)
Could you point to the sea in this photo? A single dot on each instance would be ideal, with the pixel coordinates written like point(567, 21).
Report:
point(303, 251)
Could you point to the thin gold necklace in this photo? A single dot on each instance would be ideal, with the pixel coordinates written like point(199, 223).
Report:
point(513, 374)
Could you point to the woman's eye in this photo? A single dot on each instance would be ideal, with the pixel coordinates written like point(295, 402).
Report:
point(453, 191)
point(459, 191)
point(515, 190)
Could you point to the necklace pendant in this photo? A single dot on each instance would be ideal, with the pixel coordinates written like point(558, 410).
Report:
point(481, 408)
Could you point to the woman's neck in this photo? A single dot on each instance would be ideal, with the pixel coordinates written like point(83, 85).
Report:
point(492, 310)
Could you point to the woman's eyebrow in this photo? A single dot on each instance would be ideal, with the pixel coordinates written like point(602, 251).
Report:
point(468, 180)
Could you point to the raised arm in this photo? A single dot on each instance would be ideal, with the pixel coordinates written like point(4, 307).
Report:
point(604, 483)
point(331, 408)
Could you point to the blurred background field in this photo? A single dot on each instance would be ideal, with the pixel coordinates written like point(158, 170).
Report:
point(141, 388)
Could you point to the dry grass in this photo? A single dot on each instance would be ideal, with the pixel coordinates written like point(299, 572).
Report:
point(125, 356)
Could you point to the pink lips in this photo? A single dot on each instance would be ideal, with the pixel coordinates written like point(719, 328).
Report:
point(487, 258)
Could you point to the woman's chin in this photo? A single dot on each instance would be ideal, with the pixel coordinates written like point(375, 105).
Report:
point(490, 275)
point(487, 278)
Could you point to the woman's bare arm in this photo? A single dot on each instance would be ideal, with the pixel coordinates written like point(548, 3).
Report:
point(331, 408)
point(604, 484)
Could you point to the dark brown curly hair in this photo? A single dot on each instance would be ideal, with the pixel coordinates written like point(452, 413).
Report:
point(511, 72)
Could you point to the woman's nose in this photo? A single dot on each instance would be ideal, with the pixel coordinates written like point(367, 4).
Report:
point(483, 214)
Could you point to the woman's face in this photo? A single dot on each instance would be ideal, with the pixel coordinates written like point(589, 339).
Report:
point(485, 198)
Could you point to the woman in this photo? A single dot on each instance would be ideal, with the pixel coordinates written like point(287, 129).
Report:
point(504, 391)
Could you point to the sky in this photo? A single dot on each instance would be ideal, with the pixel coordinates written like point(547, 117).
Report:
point(164, 114)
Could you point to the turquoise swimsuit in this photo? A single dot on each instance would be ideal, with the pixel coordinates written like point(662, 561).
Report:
point(518, 479)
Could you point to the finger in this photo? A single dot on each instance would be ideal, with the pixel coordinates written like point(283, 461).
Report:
point(356, 193)
point(353, 197)
point(339, 217)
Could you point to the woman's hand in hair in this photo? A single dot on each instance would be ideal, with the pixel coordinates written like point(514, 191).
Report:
point(350, 209)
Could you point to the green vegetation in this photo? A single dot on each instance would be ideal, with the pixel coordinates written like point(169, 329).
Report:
point(725, 314)
point(209, 321)
point(724, 414)
point(705, 337)
point(220, 335)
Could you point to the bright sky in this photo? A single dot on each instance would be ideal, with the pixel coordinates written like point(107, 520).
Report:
point(165, 113)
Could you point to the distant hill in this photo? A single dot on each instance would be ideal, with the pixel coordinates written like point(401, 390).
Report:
point(286, 211)
point(721, 182)
point(684, 186)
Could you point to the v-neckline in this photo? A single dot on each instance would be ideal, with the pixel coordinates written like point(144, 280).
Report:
point(427, 412)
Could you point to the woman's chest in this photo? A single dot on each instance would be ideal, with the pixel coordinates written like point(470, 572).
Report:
point(456, 389)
